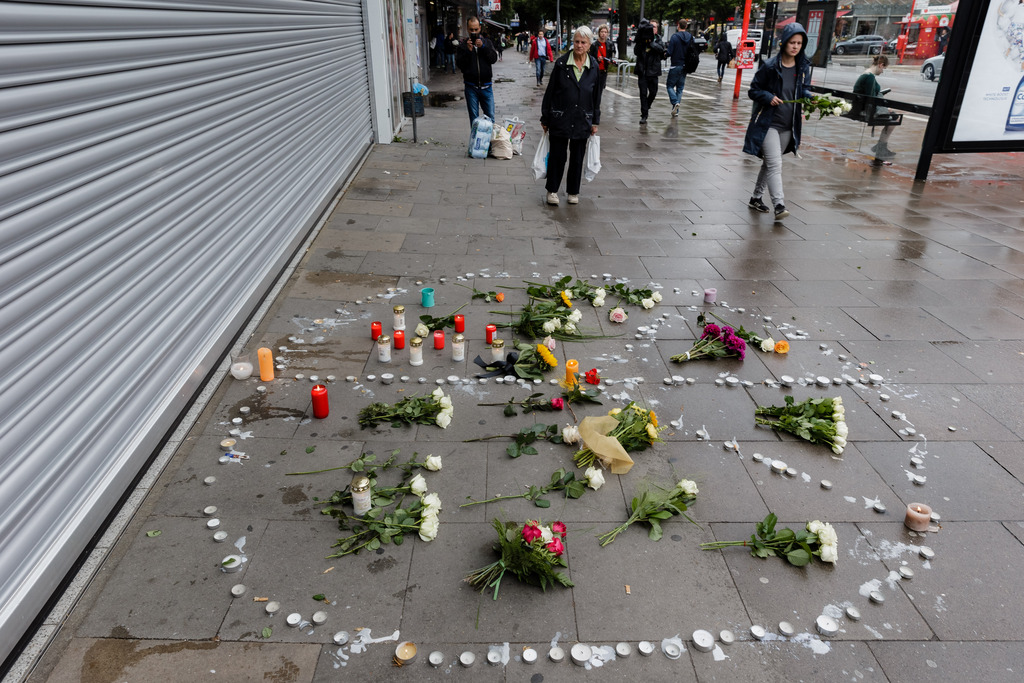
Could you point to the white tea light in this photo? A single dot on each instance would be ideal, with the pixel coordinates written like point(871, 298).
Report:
point(645, 648)
point(319, 618)
point(703, 640)
point(623, 650)
point(727, 637)
point(580, 653)
point(786, 628)
point(556, 654)
point(529, 655)
point(293, 619)
point(826, 625)
point(758, 632)
point(238, 590)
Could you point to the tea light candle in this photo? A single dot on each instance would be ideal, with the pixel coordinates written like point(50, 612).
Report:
point(623, 650)
point(362, 495)
point(758, 632)
point(376, 329)
point(384, 348)
point(460, 323)
point(399, 339)
point(238, 590)
point(220, 537)
point(416, 351)
point(556, 654)
point(241, 370)
point(293, 619)
point(272, 608)
point(498, 352)
point(491, 330)
point(438, 339)
point(405, 652)
point(645, 648)
point(266, 360)
point(436, 658)
point(572, 368)
point(341, 638)
point(321, 406)
point(826, 625)
point(458, 347)
point(919, 516)
point(529, 655)
point(703, 640)
point(399, 312)
point(467, 659)
point(580, 653)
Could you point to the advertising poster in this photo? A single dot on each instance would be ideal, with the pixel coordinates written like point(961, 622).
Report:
point(992, 108)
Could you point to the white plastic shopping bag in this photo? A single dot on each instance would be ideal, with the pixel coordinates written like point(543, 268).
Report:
point(593, 159)
point(480, 137)
point(540, 159)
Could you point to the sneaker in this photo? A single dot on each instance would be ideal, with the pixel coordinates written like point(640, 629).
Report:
point(574, 199)
point(780, 212)
point(553, 198)
point(675, 109)
point(756, 204)
point(643, 120)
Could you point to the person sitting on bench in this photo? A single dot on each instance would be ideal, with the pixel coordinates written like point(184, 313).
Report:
point(872, 114)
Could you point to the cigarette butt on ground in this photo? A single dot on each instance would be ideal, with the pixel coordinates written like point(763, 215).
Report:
point(627, 590)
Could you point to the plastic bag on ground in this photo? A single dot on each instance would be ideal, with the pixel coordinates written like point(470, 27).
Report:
point(480, 137)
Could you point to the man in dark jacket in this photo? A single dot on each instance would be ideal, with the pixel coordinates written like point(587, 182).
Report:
point(723, 54)
point(474, 58)
point(650, 52)
point(679, 45)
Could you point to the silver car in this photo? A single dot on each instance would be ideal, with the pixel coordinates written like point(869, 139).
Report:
point(932, 68)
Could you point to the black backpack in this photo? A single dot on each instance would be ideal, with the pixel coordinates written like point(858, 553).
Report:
point(692, 59)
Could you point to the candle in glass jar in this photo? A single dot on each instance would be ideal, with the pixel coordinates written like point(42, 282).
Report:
point(399, 312)
point(458, 348)
point(399, 339)
point(415, 351)
point(321, 407)
point(460, 323)
point(266, 358)
point(919, 517)
point(376, 329)
point(438, 339)
point(572, 368)
point(362, 495)
point(497, 351)
point(384, 348)
point(491, 329)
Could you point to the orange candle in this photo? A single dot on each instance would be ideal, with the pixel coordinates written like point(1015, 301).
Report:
point(266, 364)
point(572, 368)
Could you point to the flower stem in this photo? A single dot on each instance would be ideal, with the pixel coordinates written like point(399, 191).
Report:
point(496, 436)
point(491, 500)
point(329, 469)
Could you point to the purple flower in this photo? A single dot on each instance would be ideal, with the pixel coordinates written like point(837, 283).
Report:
point(711, 331)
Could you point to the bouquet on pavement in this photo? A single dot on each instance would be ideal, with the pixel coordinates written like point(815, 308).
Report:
point(818, 420)
point(532, 552)
point(608, 439)
point(655, 504)
point(435, 408)
point(798, 548)
point(715, 342)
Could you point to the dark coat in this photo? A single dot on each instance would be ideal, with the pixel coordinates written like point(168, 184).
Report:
point(767, 83)
point(649, 51)
point(476, 64)
point(570, 108)
point(724, 51)
point(609, 48)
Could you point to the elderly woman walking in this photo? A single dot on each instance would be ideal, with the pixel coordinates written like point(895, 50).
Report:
point(570, 113)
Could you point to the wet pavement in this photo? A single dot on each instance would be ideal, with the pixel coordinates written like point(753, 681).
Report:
point(920, 284)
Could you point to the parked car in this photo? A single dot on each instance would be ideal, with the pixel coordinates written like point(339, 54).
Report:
point(932, 68)
point(859, 45)
point(891, 47)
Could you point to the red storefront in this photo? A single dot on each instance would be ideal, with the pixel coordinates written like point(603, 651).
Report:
point(928, 30)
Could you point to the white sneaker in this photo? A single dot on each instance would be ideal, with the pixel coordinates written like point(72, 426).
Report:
point(675, 110)
point(553, 198)
point(574, 199)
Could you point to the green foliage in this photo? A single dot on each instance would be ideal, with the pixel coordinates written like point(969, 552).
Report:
point(561, 480)
point(653, 505)
point(796, 547)
point(530, 563)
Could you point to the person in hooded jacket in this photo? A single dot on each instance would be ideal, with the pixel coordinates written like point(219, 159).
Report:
point(570, 114)
point(650, 52)
point(774, 127)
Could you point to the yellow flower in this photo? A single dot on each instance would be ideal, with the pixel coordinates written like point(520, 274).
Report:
point(546, 355)
point(782, 346)
point(615, 411)
point(565, 298)
point(654, 418)
point(652, 431)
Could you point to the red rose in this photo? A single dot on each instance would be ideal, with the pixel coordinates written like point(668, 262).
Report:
point(559, 528)
point(558, 403)
point(592, 377)
point(531, 532)
point(556, 547)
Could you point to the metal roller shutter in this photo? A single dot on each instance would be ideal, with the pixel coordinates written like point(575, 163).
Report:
point(160, 161)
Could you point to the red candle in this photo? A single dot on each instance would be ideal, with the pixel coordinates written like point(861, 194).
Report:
point(321, 408)
point(491, 329)
point(438, 339)
point(460, 323)
point(375, 330)
point(399, 338)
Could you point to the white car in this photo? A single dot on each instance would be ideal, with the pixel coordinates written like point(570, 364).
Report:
point(932, 68)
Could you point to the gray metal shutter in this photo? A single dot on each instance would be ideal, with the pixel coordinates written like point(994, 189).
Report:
point(159, 161)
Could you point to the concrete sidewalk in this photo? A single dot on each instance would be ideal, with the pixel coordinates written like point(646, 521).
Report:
point(917, 283)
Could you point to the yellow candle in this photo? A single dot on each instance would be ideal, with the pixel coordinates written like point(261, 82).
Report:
point(266, 364)
point(572, 368)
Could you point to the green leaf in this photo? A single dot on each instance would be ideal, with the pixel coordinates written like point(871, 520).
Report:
point(575, 489)
point(284, 452)
point(656, 532)
point(542, 503)
point(529, 450)
point(228, 562)
point(510, 411)
point(374, 544)
point(798, 557)
point(319, 597)
point(513, 450)
point(266, 632)
point(154, 533)
point(310, 449)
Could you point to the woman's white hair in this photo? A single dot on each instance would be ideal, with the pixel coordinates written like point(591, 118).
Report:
point(585, 32)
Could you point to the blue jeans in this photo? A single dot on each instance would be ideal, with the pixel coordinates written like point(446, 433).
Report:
point(721, 69)
point(477, 95)
point(675, 82)
point(540, 62)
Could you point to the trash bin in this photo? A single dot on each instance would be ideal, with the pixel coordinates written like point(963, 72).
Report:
point(412, 102)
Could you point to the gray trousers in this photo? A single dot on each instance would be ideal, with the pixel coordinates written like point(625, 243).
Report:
point(770, 175)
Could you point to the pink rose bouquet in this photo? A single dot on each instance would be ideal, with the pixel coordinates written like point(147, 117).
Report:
point(532, 552)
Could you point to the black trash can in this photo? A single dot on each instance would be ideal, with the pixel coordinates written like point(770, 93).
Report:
point(412, 102)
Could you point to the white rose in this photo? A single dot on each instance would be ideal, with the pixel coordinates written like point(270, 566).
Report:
point(446, 402)
point(837, 111)
point(576, 315)
point(443, 420)
point(842, 430)
point(557, 322)
point(545, 534)
point(428, 527)
point(418, 485)
point(656, 297)
point(688, 487)
point(837, 401)
point(647, 303)
point(839, 441)
point(431, 503)
point(437, 394)
point(432, 463)
point(595, 478)
point(422, 330)
point(600, 293)
point(598, 301)
point(815, 526)
point(571, 434)
point(827, 535)
point(570, 327)
point(768, 345)
point(549, 326)
point(829, 553)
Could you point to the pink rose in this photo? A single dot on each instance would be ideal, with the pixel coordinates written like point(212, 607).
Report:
point(558, 403)
point(617, 315)
point(550, 343)
point(556, 547)
point(531, 532)
point(559, 528)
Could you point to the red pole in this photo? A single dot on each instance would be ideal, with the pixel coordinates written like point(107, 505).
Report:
point(743, 36)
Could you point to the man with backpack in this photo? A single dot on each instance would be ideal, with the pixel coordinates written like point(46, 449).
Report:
point(650, 52)
point(683, 52)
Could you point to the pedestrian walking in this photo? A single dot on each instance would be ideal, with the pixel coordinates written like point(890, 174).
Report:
point(474, 58)
point(679, 45)
point(570, 113)
point(540, 54)
point(865, 110)
point(451, 48)
point(724, 53)
point(649, 52)
point(499, 45)
point(774, 127)
point(603, 52)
